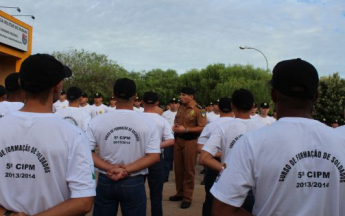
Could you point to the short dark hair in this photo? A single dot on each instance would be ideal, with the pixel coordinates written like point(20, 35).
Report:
point(243, 99)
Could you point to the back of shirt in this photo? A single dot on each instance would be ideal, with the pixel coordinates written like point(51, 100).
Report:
point(75, 116)
point(8, 107)
point(164, 129)
point(124, 136)
point(295, 166)
point(44, 161)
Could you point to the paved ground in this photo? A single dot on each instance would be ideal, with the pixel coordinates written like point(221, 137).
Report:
point(173, 208)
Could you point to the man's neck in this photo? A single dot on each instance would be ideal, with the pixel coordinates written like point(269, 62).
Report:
point(73, 104)
point(63, 100)
point(190, 103)
point(35, 105)
point(98, 104)
point(231, 114)
point(263, 116)
point(149, 108)
point(83, 104)
point(173, 110)
point(242, 115)
point(125, 106)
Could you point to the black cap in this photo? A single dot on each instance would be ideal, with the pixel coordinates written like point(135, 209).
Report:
point(225, 105)
point(12, 82)
point(295, 78)
point(68, 71)
point(211, 104)
point(40, 72)
point(74, 93)
point(124, 88)
point(188, 90)
point(137, 99)
point(265, 105)
point(150, 97)
point(243, 99)
point(173, 100)
point(216, 102)
point(62, 92)
point(84, 94)
point(112, 98)
point(98, 95)
point(2, 90)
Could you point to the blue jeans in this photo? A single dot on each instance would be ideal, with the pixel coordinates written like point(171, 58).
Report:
point(155, 180)
point(128, 192)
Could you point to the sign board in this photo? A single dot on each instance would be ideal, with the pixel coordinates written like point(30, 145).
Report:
point(13, 34)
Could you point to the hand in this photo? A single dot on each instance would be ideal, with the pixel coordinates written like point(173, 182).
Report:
point(117, 173)
point(178, 128)
point(18, 214)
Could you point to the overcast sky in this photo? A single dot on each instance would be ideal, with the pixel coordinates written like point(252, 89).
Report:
point(186, 34)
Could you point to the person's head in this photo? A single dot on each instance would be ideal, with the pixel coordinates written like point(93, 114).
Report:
point(112, 101)
point(150, 99)
point(14, 91)
point(173, 105)
point(335, 123)
point(264, 109)
point(42, 75)
point(74, 95)
point(98, 98)
point(84, 98)
point(242, 101)
point(224, 105)
point(254, 109)
point(210, 107)
point(3, 93)
point(187, 95)
point(62, 96)
point(294, 87)
point(216, 107)
point(137, 102)
point(124, 90)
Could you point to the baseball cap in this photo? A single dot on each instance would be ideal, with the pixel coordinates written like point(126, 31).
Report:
point(124, 88)
point(63, 92)
point(12, 82)
point(188, 90)
point(150, 97)
point(295, 78)
point(2, 90)
point(243, 99)
point(112, 98)
point(98, 95)
point(174, 100)
point(40, 72)
point(265, 105)
point(74, 93)
point(225, 105)
point(84, 94)
point(216, 102)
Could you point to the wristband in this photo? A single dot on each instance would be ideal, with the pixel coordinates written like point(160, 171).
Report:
point(8, 213)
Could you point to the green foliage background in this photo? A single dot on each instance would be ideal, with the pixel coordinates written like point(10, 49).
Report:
point(94, 72)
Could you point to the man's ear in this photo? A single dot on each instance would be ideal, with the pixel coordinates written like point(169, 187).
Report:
point(58, 87)
point(316, 96)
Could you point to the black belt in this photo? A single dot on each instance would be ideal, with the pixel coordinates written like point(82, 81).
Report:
point(187, 136)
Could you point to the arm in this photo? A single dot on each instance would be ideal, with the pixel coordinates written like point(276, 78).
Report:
point(167, 143)
point(3, 210)
point(101, 164)
point(207, 159)
point(71, 207)
point(221, 209)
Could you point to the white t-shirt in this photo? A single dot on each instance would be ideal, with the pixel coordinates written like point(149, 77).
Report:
point(60, 105)
point(163, 127)
point(44, 161)
point(114, 108)
point(295, 167)
point(169, 116)
point(124, 136)
point(254, 116)
point(8, 107)
point(227, 133)
point(340, 128)
point(87, 108)
point(140, 109)
point(75, 116)
point(98, 110)
point(267, 120)
point(209, 128)
point(211, 116)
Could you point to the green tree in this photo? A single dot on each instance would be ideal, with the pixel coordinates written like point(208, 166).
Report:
point(92, 72)
point(329, 104)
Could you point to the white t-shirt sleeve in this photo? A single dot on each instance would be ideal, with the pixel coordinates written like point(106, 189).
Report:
point(86, 120)
point(213, 144)
point(238, 177)
point(153, 145)
point(205, 135)
point(168, 133)
point(80, 174)
point(91, 138)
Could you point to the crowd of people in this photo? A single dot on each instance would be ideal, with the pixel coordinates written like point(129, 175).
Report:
point(52, 143)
